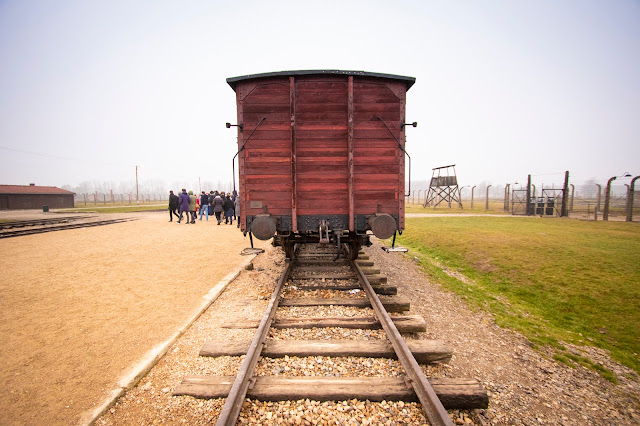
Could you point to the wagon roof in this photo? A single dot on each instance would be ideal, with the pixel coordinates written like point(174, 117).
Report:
point(232, 81)
point(32, 189)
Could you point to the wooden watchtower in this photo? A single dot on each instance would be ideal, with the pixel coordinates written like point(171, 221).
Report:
point(443, 187)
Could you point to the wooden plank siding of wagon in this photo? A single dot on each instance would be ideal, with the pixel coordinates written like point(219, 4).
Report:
point(377, 163)
point(265, 163)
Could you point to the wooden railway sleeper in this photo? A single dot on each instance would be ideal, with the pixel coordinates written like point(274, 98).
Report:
point(453, 391)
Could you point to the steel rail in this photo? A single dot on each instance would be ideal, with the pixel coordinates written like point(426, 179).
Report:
point(431, 405)
point(22, 232)
point(38, 222)
point(233, 404)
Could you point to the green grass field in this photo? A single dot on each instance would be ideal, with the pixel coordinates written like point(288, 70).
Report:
point(495, 207)
point(554, 280)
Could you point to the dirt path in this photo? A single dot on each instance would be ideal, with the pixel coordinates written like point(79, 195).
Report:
point(78, 308)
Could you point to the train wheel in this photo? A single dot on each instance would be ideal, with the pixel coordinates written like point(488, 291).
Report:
point(289, 249)
point(354, 248)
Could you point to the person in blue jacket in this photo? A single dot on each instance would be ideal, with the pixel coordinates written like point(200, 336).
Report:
point(204, 205)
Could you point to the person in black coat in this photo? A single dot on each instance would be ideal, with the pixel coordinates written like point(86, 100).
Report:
point(173, 205)
point(228, 210)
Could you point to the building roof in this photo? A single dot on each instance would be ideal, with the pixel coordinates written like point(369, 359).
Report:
point(32, 189)
point(233, 80)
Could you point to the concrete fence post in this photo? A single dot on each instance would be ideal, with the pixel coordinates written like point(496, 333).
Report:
point(506, 197)
point(472, 190)
point(607, 198)
point(573, 190)
point(486, 203)
point(564, 211)
point(630, 199)
point(597, 206)
point(528, 196)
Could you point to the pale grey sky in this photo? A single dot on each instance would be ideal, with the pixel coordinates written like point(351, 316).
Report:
point(89, 90)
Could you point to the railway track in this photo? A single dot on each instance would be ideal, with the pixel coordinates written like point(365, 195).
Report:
point(316, 280)
point(49, 225)
point(40, 222)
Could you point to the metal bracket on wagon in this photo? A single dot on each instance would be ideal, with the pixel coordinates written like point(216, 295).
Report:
point(323, 230)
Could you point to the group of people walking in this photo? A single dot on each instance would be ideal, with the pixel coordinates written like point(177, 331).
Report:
point(223, 206)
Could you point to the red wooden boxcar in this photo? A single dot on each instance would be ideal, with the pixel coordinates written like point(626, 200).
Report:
point(321, 155)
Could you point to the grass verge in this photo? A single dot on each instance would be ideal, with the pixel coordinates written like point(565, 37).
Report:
point(554, 280)
point(495, 207)
point(119, 209)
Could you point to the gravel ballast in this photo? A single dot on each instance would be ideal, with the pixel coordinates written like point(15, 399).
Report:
point(526, 387)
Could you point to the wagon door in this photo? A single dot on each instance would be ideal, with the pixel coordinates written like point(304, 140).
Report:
point(320, 152)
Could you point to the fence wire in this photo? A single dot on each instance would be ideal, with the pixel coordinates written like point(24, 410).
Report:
point(588, 206)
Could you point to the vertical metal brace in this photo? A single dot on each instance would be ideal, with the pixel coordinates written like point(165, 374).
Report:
point(294, 190)
point(350, 165)
point(233, 161)
point(403, 150)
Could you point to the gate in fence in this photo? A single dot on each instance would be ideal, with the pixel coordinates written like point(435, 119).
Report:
point(519, 202)
point(550, 203)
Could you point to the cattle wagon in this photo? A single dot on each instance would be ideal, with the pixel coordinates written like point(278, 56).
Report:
point(321, 156)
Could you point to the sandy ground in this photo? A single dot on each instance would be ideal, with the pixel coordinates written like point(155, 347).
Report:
point(78, 308)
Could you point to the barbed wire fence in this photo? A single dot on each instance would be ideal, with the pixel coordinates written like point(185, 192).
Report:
point(111, 199)
point(585, 199)
point(101, 195)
